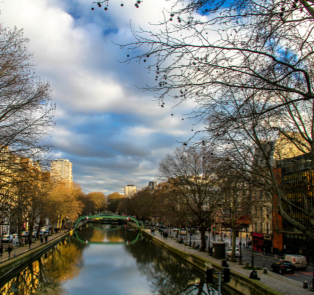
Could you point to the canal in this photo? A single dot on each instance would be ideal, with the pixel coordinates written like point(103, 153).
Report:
point(106, 259)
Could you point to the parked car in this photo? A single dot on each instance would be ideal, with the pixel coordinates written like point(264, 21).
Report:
point(282, 266)
point(15, 239)
point(25, 234)
point(7, 239)
point(298, 261)
point(183, 232)
point(174, 229)
point(237, 252)
point(44, 230)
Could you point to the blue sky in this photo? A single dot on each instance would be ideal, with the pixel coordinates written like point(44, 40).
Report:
point(113, 133)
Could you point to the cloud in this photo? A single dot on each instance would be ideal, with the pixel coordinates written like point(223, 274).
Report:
point(112, 131)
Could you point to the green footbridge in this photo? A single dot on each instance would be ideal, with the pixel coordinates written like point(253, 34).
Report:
point(106, 215)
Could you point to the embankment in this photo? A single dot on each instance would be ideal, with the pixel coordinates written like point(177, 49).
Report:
point(239, 283)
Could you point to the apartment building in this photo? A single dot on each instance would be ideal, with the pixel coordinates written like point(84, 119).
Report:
point(129, 190)
point(265, 219)
point(61, 169)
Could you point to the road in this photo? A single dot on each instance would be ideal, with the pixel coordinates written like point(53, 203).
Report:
point(299, 275)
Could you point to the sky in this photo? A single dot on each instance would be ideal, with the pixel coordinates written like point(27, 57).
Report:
point(113, 133)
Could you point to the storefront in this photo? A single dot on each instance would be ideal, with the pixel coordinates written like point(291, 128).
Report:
point(258, 241)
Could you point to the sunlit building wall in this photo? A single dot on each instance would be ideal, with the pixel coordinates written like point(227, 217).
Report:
point(61, 169)
point(129, 190)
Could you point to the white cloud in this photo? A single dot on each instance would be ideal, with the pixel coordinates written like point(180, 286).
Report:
point(112, 132)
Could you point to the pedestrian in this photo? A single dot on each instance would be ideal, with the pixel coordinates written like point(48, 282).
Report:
point(30, 242)
point(41, 239)
point(46, 238)
point(243, 245)
point(166, 235)
point(9, 250)
point(224, 263)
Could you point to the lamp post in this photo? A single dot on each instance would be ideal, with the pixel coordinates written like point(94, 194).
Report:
point(312, 287)
point(252, 258)
point(209, 248)
point(240, 260)
point(1, 236)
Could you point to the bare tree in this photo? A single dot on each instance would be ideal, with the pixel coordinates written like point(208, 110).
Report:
point(260, 147)
point(256, 45)
point(248, 65)
point(25, 110)
point(235, 206)
point(190, 173)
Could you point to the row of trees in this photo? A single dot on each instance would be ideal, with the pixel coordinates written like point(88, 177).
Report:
point(27, 193)
point(26, 118)
point(248, 65)
point(196, 188)
point(36, 197)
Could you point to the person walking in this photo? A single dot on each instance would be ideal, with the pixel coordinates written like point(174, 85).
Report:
point(9, 250)
point(30, 242)
point(46, 238)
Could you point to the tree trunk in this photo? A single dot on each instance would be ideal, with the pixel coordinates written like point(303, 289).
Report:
point(40, 223)
point(19, 229)
point(203, 239)
point(30, 231)
point(233, 243)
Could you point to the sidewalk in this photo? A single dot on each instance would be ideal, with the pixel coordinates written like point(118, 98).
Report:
point(23, 249)
point(273, 280)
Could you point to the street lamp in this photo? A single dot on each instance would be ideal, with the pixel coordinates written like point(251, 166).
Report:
point(209, 248)
point(312, 287)
point(240, 260)
point(252, 258)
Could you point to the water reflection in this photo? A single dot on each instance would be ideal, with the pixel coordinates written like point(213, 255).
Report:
point(46, 275)
point(102, 266)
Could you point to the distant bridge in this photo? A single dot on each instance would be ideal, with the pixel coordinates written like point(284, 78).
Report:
point(106, 215)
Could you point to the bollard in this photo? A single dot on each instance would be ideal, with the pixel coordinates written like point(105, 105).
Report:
point(305, 285)
point(265, 270)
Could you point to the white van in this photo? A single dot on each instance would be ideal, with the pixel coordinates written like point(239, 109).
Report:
point(298, 261)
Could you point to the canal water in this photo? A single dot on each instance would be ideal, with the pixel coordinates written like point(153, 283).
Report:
point(106, 259)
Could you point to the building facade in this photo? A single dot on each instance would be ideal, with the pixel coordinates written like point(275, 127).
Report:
point(129, 190)
point(61, 170)
point(265, 219)
point(296, 178)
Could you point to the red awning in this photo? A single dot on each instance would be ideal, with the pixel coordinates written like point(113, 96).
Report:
point(257, 235)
